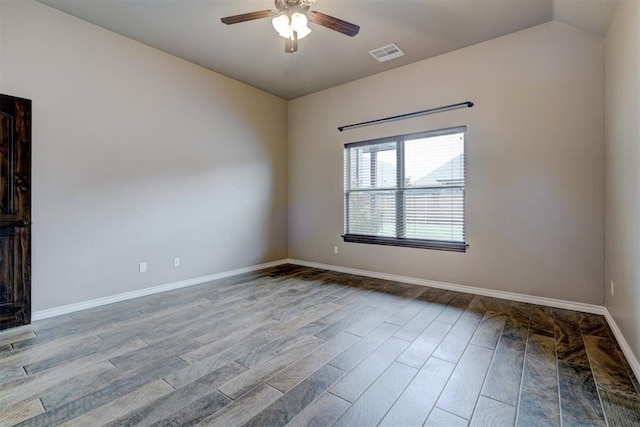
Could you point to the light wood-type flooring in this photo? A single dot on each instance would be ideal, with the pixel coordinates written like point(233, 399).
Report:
point(299, 346)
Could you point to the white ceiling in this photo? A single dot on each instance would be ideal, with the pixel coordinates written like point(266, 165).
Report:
point(253, 53)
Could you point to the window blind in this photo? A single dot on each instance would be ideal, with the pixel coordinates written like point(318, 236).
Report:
point(407, 190)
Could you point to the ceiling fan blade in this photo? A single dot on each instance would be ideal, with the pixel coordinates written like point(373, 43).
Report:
point(291, 46)
point(335, 24)
point(248, 16)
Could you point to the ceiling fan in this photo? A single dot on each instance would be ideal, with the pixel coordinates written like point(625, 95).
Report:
point(290, 20)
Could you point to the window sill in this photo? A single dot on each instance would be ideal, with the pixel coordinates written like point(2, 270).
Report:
point(408, 243)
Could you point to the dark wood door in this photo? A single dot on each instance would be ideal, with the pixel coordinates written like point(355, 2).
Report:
point(15, 211)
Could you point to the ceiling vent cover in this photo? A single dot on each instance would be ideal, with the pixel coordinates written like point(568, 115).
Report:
point(386, 53)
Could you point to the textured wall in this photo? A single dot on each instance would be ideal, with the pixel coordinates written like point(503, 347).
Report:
point(139, 156)
point(623, 170)
point(535, 163)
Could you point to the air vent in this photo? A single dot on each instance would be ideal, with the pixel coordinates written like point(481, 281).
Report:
point(386, 53)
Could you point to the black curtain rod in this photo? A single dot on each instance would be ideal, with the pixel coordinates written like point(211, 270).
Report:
point(467, 104)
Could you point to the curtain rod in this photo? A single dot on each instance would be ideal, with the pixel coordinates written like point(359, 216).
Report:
point(467, 104)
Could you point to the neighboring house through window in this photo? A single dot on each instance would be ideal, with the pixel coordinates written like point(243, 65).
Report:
point(407, 190)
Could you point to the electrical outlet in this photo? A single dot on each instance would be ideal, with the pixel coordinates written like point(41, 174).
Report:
point(612, 287)
point(176, 262)
point(143, 267)
point(335, 250)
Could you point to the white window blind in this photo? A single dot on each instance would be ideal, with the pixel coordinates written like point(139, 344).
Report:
point(407, 190)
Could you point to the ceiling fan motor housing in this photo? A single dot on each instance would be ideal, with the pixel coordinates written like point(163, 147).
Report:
point(291, 6)
point(295, 26)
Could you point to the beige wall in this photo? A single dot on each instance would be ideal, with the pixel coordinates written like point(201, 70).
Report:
point(623, 170)
point(139, 156)
point(535, 163)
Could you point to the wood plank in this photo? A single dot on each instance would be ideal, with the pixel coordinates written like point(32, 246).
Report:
point(15, 335)
point(376, 401)
point(297, 399)
point(86, 393)
point(8, 374)
point(489, 330)
point(419, 323)
point(362, 376)
point(407, 313)
point(490, 412)
point(539, 399)
point(537, 407)
point(455, 308)
point(440, 418)
point(505, 374)
point(344, 323)
point(326, 320)
point(542, 321)
point(362, 348)
point(306, 303)
point(621, 410)
point(608, 369)
point(593, 324)
point(569, 343)
point(500, 305)
point(257, 375)
point(30, 389)
point(47, 348)
point(518, 319)
point(463, 388)
point(477, 307)
point(418, 399)
point(422, 347)
point(224, 341)
point(17, 413)
point(365, 326)
point(242, 410)
point(88, 352)
point(44, 381)
point(456, 341)
point(268, 350)
point(196, 411)
point(121, 406)
point(323, 412)
point(169, 406)
point(578, 396)
point(287, 378)
point(203, 367)
point(306, 318)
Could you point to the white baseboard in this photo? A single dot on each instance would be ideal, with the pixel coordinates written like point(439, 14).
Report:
point(569, 305)
point(66, 309)
point(626, 349)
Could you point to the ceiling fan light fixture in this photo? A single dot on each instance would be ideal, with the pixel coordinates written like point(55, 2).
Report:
point(299, 22)
point(281, 24)
point(285, 28)
point(291, 18)
point(303, 32)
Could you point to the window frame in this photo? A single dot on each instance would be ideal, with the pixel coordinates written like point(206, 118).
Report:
point(401, 189)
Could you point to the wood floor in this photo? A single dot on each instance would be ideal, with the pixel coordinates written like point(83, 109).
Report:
point(299, 346)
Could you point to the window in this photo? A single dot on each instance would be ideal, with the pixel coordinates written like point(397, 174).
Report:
point(407, 190)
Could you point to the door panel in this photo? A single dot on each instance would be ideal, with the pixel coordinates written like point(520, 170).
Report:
point(15, 211)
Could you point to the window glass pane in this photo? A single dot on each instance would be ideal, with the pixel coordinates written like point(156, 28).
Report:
point(433, 161)
point(372, 213)
point(424, 208)
point(373, 166)
point(435, 214)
